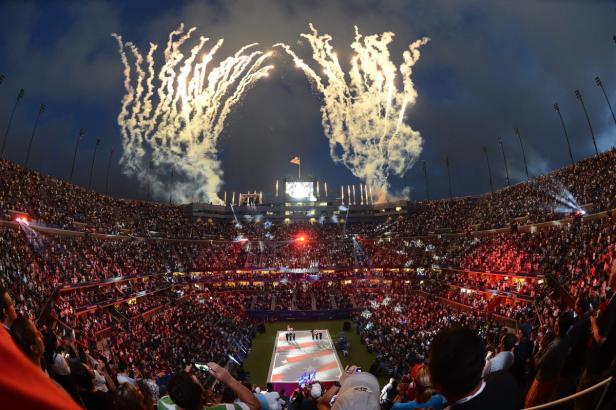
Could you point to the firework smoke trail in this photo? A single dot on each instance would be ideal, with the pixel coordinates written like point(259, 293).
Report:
point(363, 112)
point(175, 117)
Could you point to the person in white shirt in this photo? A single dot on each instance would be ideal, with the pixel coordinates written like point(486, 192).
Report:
point(273, 398)
point(386, 389)
point(55, 359)
point(504, 359)
point(123, 376)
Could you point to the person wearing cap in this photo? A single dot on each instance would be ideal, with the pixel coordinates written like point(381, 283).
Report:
point(312, 395)
point(357, 391)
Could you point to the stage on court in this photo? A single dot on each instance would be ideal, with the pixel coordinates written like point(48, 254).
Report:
point(302, 357)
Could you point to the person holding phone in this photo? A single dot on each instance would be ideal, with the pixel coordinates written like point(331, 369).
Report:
point(185, 392)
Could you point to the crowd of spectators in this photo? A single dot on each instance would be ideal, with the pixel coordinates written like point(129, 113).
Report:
point(140, 304)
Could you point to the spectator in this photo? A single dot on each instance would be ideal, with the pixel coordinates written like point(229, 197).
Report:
point(23, 385)
point(357, 391)
point(602, 348)
point(256, 390)
point(273, 398)
point(7, 309)
point(385, 390)
point(92, 399)
point(123, 376)
point(28, 339)
point(311, 396)
point(187, 393)
point(456, 361)
point(57, 365)
point(425, 397)
point(505, 358)
point(522, 353)
point(129, 397)
point(549, 363)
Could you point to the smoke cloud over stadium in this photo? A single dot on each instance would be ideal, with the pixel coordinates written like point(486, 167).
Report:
point(171, 120)
point(363, 112)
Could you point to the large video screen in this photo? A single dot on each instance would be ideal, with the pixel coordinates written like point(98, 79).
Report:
point(300, 191)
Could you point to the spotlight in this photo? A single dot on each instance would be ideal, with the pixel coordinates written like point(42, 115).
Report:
point(579, 213)
point(22, 220)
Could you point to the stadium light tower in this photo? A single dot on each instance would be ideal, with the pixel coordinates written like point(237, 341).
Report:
point(607, 100)
point(425, 171)
point(500, 142)
point(171, 186)
point(108, 169)
point(578, 95)
point(517, 132)
point(40, 111)
point(448, 176)
point(485, 151)
point(562, 122)
point(82, 132)
point(149, 193)
point(98, 142)
point(20, 95)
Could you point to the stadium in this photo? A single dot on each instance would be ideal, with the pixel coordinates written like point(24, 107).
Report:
point(165, 287)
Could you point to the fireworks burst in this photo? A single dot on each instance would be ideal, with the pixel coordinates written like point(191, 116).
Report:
point(173, 119)
point(363, 112)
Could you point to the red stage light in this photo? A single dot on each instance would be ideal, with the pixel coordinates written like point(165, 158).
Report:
point(22, 220)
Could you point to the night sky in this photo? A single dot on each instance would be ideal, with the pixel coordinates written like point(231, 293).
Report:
point(490, 66)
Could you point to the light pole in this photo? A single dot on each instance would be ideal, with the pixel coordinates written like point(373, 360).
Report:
point(500, 142)
point(8, 126)
point(448, 176)
point(578, 94)
point(147, 198)
point(40, 111)
point(82, 132)
point(171, 186)
point(108, 169)
point(517, 132)
point(485, 151)
point(98, 142)
point(425, 171)
point(562, 122)
point(607, 100)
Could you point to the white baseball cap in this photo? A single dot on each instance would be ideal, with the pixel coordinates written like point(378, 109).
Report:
point(360, 391)
point(316, 390)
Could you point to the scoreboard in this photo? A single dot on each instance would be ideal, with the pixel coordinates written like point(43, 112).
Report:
point(300, 191)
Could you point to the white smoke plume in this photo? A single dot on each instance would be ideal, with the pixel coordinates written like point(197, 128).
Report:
point(173, 119)
point(363, 110)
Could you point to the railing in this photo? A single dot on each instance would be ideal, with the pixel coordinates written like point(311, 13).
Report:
point(591, 389)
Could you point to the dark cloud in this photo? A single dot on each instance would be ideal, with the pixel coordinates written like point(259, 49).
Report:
point(490, 66)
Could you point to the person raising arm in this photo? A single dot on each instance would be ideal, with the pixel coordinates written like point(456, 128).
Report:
point(222, 374)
